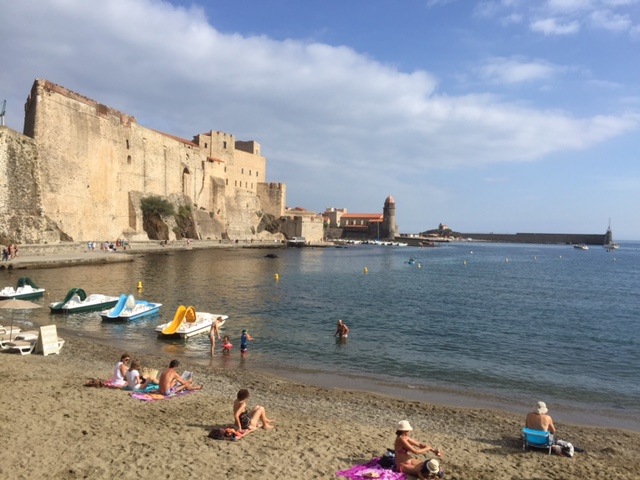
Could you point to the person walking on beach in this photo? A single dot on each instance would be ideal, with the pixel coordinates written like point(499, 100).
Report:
point(246, 419)
point(172, 383)
point(215, 332)
point(341, 330)
point(244, 339)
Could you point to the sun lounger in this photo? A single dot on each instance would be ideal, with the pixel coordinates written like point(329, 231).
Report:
point(22, 346)
point(7, 330)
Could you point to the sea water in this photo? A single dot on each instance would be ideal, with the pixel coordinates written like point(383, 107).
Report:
point(496, 324)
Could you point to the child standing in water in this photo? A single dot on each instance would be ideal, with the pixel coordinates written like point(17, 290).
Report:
point(244, 338)
point(226, 346)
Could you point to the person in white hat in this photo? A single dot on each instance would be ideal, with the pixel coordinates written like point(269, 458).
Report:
point(406, 447)
point(430, 469)
point(539, 420)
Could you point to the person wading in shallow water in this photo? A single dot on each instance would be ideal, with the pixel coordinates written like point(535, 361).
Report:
point(341, 330)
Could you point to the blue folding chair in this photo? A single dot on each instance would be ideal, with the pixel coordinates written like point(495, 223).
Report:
point(536, 439)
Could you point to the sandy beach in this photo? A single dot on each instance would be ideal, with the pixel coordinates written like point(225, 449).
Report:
point(55, 427)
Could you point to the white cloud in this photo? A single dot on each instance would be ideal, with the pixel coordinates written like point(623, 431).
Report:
point(515, 70)
point(551, 26)
point(568, 5)
point(610, 21)
point(315, 109)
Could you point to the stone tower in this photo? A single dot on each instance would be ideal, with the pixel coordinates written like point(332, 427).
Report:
point(389, 227)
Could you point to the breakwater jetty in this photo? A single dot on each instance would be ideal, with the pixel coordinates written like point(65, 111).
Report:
point(548, 238)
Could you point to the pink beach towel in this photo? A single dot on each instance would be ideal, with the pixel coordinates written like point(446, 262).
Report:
point(152, 397)
point(356, 473)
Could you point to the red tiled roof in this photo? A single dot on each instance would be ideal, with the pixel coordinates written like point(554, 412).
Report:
point(362, 215)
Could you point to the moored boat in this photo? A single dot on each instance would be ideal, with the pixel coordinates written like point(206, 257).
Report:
point(581, 247)
point(187, 323)
point(128, 308)
point(77, 301)
point(24, 290)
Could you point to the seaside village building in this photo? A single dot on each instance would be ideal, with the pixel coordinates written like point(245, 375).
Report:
point(364, 225)
point(80, 170)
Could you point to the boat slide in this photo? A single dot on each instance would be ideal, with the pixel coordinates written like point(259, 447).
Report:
point(183, 313)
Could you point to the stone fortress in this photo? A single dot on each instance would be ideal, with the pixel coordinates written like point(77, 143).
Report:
point(80, 170)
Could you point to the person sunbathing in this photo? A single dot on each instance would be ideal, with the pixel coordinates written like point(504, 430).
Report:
point(172, 383)
point(246, 419)
point(405, 446)
point(539, 420)
point(135, 381)
point(120, 372)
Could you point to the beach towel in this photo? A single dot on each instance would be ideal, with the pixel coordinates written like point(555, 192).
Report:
point(152, 397)
point(230, 434)
point(370, 470)
point(153, 388)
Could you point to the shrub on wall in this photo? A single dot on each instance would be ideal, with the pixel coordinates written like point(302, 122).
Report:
point(154, 205)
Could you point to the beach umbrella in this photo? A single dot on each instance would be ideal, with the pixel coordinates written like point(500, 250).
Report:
point(16, 304)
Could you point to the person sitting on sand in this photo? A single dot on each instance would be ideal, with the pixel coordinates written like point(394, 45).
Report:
point(539, 420)
point(135, 381)
point(172, 383)
point(120, 371)
point(341, 330)
point(246, 419)
point(430, 470)
point(405, 446)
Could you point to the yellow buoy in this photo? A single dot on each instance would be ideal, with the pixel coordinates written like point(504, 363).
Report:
point(506, 260)
point(464, 263)
point(419, 266)
point(535, 258)
point(139, 285)
point(277, 277)
point(366, 270)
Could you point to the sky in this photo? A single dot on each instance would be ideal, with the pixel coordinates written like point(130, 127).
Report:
point(499, 116)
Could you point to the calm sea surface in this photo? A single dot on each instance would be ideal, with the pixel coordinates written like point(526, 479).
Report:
point(469, 324)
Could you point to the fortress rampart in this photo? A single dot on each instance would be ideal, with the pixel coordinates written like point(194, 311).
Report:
point(80, 169)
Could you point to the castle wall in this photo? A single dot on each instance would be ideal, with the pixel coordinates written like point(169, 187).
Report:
point(273, 198)
point(21, 217)
point(92, 157)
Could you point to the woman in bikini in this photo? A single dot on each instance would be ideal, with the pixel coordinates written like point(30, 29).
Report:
point(246, 419)
point(406, 447)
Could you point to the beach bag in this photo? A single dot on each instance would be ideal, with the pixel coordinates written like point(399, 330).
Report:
point(223, 434)
point(388, 460)
point(567, 448)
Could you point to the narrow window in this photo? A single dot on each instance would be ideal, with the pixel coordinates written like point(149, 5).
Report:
point(227, 181)
point(224, 144)
point(206, 145)
point(127, 144)
point(249, 172)
point(129, 159)
point(242, 171)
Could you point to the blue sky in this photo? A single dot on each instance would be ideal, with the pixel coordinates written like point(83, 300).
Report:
point(490, 116)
